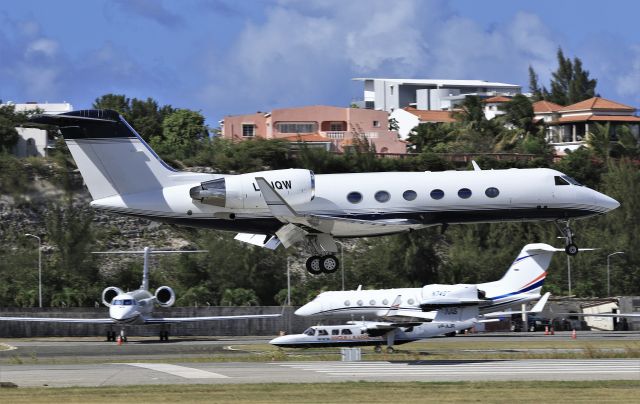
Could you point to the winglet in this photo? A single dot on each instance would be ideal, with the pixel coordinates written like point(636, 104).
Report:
point(541, 303)
point(276, 203)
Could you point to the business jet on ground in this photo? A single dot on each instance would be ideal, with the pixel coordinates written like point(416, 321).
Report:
point(357, 333)
point(136, 307)
point(294, 206)
point(417, 313)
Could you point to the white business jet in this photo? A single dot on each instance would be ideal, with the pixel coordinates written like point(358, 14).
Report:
point(294, 206)
point(136, 307)
point(447, 320)
point(520, 284)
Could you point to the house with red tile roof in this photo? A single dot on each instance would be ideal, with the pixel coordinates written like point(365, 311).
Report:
point(567, 127)
point(410, 117)
point(332, 128)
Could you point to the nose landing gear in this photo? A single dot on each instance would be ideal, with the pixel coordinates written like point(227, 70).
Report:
point(570, 247)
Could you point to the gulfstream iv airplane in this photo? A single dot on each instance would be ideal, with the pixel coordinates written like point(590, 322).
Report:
point(294, 206)
point(409, 314)
point(136, 307)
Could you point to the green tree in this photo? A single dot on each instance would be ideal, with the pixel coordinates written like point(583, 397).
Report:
point(536, 91)
point(117, 102)
point(9, 120)
point(519, 113)
point(239, 297)
point(182, 132)
point(570, 83)
point(599, 139)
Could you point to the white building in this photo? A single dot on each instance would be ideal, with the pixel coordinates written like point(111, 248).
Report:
point(427, 94)
point(33, 141)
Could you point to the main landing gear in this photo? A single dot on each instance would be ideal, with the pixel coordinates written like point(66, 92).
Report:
point(113, 337)
point(327, 264)
point(570, 247)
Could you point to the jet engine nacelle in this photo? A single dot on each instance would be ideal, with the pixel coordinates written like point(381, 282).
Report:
point(296, 186)
point(438, 296)
point(109, 293)
point(165, 296)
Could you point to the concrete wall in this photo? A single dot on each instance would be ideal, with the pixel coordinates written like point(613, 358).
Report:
point(268, 326)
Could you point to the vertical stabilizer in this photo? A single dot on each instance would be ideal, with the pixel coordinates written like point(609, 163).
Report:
point(113, 159)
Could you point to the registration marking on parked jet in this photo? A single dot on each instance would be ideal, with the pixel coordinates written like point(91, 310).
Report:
point(181, 371)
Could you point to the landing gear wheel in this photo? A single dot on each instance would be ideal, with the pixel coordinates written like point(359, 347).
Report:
point(164, 335)
point(111, 336)
point(377, 349)
point(313, 265)
point(390, 350)
point(329, 264)
point(571, 249)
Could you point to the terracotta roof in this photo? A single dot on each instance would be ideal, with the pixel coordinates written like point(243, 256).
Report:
point(497, 99)
point(306, 138)
point(431, 116)
point(541, 107)
point(597, 103)
point(598, 118)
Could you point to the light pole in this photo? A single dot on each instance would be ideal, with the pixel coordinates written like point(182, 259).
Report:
point(39, 267)
point(609, 273)
point(341, 261)
point(288, 282)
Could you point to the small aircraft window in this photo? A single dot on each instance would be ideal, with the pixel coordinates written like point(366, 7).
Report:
point(347, 303)
point(385, 302)
point(335, 332)
point(127, 302)
point(492, 192)
point(354, 197)
point(410, 301)
point(409, 195)
point(571, 180)
point(464, 193)
point(310, 332)
point(560, 181)
point(382, 196)
point(117, 302)
point(437, 194)
point(346, 331)
point(323, 332)
point(360, 303)
point(372, 302)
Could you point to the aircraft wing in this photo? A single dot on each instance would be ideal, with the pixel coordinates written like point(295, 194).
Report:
point(330, 224)
point(60, 320)
point(166, 320)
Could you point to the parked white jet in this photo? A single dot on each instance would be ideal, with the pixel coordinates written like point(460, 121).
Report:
point(136, 307)
point(521, 283)
point(355, 333)
point(295, 206)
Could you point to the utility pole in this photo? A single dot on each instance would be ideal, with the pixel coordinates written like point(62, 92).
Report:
point(39, 267)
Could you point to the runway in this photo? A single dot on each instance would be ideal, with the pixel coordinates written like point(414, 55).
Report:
point(94, 362)
point(121, 374)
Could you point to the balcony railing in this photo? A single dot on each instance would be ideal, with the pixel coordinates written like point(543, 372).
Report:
point(335, 134)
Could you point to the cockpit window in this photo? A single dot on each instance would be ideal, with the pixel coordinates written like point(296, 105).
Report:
point(560, 180)
point(117, 302)
point(309, 331)
point(127, 302)
point(571, 180)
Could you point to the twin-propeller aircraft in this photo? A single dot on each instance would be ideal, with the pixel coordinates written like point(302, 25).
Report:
point(297, 207)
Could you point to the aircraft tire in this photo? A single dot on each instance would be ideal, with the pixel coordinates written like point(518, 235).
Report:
point(329, 264)
point(377, 349)
point(390, 350)
point(571, 249)
point(313, 265)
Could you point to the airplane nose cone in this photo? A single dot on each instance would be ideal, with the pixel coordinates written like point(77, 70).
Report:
point(309, 309)
point(606, 202)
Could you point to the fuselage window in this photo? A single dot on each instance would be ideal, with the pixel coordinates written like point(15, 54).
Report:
point(323, 332)
point(346, 331)
point(347, 303)
point(560, 181)
point(372, 302)
point(464, 193)
point(382, 196)
point(385, 302)
point(354, 197)
point(335, 332)
point(360, 303)
point(410, 301)
point(492, 192)
point(437, 194)
point(409, 195)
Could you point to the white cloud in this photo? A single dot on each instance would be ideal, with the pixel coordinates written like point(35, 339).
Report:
point(42, 46)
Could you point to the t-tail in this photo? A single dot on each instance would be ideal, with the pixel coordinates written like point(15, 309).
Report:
point(112, 158)
point(524, 278)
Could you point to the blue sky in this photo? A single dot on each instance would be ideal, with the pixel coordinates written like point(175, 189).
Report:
point(226, 57)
